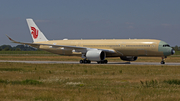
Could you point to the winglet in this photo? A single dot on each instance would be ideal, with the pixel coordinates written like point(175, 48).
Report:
point(13, 40)
point(10, 38)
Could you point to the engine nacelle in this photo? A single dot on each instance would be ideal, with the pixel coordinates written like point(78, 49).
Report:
point(95, 55)
point(129, 58)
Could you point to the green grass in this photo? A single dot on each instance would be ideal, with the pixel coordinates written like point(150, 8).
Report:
point(151, 83)
point(10, 69)
point(173, 81)
point(24, 82)
point(177, 53)
point(82, 82)
point(24, 52)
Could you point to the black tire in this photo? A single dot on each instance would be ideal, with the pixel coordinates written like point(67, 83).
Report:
point(162, 62)
point(81, 61)
point(105, 61)
point(85, 61)
point(89, 61)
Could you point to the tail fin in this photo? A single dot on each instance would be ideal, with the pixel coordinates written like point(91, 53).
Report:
point(37, 35)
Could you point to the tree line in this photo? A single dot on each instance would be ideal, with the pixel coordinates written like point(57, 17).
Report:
point(17, 48)
point(28, 48)
point(176, 48)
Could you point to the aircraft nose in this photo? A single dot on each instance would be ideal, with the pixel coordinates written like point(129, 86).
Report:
point(172, 51)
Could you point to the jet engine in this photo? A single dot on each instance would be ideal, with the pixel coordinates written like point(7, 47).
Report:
point(95, 55)
point(129, 58)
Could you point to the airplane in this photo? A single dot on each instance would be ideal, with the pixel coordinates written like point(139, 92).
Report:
point(99, 49)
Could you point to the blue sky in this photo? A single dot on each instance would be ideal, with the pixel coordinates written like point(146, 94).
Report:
point(92, 19)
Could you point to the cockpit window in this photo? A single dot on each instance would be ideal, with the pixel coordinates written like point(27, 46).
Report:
point(166, 45)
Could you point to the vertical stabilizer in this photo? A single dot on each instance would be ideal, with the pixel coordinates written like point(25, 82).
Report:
point(36, 34)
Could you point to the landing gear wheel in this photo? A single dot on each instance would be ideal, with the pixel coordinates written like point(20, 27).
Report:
point(102, 62)
point(81, 61)
point(163, 59)
point(162, 62)
point(84, 61)
point(89, 61)
point(105, 61)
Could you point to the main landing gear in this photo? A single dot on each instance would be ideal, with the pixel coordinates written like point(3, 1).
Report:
point(102, 62)
point(163, 60)
point(84, 61)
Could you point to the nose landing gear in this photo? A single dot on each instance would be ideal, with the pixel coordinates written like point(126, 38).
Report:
point(163, 60)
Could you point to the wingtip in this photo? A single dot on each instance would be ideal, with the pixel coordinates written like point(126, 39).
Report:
point(9, 38)
point(7, 35)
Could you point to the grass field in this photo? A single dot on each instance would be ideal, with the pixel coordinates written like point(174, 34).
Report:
point(79, 82)
point(85, 82)
point(24, 52)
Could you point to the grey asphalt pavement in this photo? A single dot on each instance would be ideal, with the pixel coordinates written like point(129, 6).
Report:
point(76, 62)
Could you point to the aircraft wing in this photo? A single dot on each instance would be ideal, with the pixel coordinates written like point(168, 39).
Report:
point(78, 49)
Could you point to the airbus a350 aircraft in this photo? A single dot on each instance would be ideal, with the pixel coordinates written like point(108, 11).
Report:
point(98, 50)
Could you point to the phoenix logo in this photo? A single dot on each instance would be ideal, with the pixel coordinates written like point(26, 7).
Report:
point(34, 32)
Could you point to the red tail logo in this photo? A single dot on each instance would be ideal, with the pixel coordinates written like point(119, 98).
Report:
point(34, 32)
